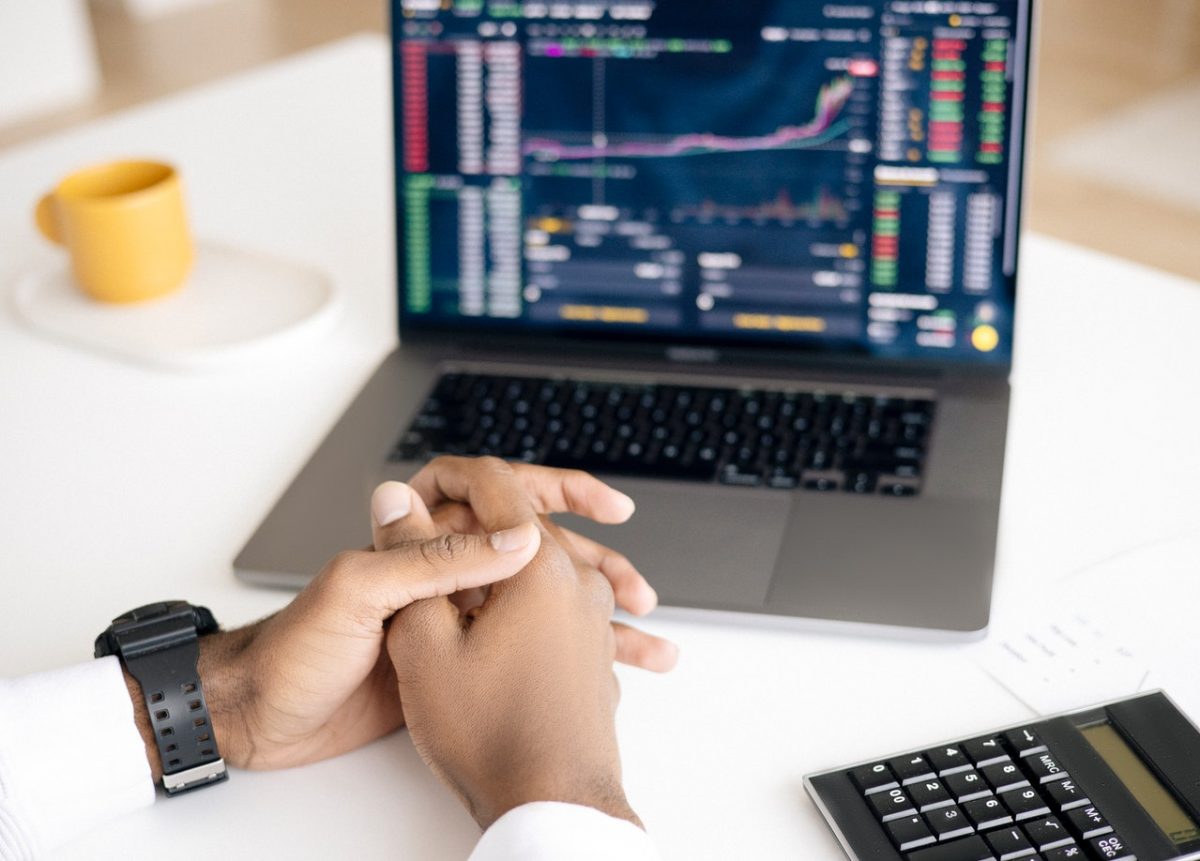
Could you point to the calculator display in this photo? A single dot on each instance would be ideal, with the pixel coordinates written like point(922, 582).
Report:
point(1142, 784)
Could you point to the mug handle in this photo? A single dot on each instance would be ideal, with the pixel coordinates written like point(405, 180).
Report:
point(46, 222)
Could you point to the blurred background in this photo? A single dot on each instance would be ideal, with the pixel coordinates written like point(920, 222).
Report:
point(1116, 148)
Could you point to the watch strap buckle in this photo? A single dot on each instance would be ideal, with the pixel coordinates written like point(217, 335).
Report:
point(191, 778)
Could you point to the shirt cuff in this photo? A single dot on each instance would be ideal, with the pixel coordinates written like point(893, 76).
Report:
point(71, 756)
point(550, 831)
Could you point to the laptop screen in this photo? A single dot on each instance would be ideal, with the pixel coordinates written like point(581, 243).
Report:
point(841, 176)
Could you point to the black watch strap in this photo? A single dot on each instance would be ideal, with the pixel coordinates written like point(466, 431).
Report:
point(159, 646)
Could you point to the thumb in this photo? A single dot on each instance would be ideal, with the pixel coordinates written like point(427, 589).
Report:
point(427, 623)
point(449, 563)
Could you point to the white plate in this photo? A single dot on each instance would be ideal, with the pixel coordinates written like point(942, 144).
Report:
point(236, 307)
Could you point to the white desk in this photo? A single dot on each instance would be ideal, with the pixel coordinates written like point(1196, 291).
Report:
point(120, 485)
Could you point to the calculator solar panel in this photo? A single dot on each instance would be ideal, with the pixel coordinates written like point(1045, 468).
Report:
point(1119, 782)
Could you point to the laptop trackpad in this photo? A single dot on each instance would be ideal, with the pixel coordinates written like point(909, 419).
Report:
point(699, 545)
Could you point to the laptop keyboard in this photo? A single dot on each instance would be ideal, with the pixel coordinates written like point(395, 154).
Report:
point(814, 440)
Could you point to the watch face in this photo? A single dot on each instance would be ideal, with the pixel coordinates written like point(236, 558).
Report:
point(154, 611)
point(201, 617)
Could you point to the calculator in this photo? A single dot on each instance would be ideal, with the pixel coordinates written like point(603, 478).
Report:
point(1114, 782)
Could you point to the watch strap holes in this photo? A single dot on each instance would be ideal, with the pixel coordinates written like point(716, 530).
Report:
point(173, 763)
point(203, 737)
point(208, 751)
point(171, 748)
point(188, 687)
point(199, 722)
point(194, 705)
point(156, 697)
point(162, 714)
point(166, 731)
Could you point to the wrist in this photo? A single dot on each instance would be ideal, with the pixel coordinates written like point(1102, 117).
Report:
point(227, 693)
point(217, 667)
point(604, 794)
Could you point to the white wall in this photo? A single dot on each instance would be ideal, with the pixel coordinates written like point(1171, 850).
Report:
point(47, 57)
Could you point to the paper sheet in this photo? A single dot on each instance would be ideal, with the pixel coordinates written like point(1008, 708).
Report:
point(1131, 626)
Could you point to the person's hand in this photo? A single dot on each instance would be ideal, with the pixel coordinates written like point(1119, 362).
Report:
point(515, 701)
point(313, 680)
point(451, 497)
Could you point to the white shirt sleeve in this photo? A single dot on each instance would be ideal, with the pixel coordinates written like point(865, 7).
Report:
point(71, 756)
point(550, 831)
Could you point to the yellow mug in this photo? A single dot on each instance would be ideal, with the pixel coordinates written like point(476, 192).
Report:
point(125, 227)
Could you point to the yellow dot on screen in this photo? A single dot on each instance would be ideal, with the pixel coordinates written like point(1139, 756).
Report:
point(849, 250)
point(955, 20)
point(985, 338)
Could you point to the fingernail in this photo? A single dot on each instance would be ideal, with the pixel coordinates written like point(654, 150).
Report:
point(512, 540)
point(672, 653)
point(628, 503)
point(653, 595)
point(391, 501)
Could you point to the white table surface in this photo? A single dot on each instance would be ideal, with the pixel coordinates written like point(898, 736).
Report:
point(120, 485)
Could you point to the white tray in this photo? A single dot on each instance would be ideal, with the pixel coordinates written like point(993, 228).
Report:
point(237, 307)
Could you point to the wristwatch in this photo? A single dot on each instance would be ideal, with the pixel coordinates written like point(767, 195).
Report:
point(159, 646)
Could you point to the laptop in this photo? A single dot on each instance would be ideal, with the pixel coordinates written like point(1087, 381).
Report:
point(752, 263)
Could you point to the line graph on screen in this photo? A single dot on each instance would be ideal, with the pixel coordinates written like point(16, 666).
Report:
point(826, 125)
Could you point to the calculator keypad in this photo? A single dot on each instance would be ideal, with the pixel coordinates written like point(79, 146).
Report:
point(1004, 797)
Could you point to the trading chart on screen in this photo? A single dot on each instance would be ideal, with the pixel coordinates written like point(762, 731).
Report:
point(828, 174)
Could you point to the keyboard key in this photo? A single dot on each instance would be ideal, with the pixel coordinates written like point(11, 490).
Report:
point(1010, 844)
point(1067, 795)
point(1003, 776)
point(968, 849)
point(912, 768)
point(987, 813)
point(1074, 852)
point(948, 760)
point(874, 778)
point(1048, 833)
point(1025, 803)
point(1110, 848)
point(910, 833)
point(986, 751)
point(823, 481)
point(967, 786)
point(948, 823)
point(891, 804)
point(1087, 822)
point(1024, 741)
point(740, 476)
point(860, 481)
point(1045, 767)
point(929, 795)
point(783, 478)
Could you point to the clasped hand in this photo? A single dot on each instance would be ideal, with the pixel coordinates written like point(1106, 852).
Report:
point(475, 620)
